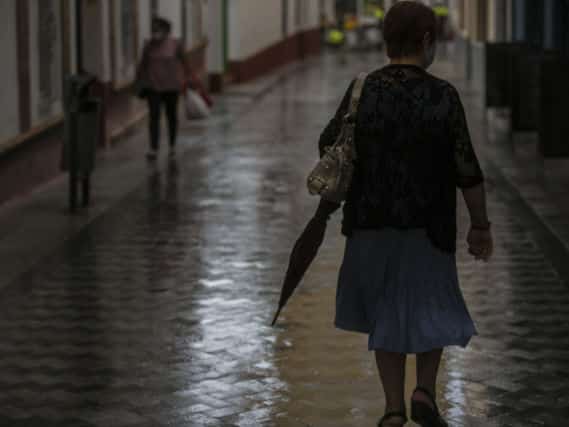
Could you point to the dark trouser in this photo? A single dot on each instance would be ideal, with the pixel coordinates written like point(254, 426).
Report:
point(170, 100)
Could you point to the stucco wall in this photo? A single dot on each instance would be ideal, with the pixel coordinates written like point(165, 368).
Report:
point(214, 28)
point(305, 14)
point(143, 23)
point(124, 50)
point(253, 26)
point(312, 18)
point(45, 61)
point(96, 40)
point(172, 10)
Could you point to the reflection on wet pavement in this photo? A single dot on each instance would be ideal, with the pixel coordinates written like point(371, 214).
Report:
point(158, 313)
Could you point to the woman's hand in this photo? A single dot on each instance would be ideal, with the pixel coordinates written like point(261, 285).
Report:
point(480, 244)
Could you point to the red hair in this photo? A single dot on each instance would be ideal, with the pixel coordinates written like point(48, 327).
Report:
point(405, 27)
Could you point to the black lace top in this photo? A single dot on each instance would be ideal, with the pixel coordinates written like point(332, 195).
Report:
point(413, 149)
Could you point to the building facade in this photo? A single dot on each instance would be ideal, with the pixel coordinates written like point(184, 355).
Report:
point(516, 54)
point(249, 37)
point(43, 41)
point(541, 23)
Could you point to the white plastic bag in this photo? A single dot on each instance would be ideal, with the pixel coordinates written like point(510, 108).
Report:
point(196, 107)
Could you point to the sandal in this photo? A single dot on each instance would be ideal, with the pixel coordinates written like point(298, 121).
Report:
point(392, 415)
point(423, 414)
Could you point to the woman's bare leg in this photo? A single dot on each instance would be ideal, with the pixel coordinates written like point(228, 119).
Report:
point(427, 370)
point(391, 367)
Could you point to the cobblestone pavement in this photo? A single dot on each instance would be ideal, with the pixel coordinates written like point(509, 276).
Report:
point(157, 314)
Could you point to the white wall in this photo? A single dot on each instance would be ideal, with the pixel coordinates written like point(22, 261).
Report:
point(144, 14)
point(330, 9)
point(205, 17)
point(172, 10)
point(497, 20)
point(96, 39)
point(312, 18)
point(45, 94)
point(124, 43)
point(253, 26)
point(214, 27)
point(9, 105)
point(291, 24)
point(492, 21)
point(455, 12)
point(305, 15)
point(196, 21)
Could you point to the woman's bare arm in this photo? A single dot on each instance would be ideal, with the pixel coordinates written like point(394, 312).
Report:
point(480, 241)
point(475, 198)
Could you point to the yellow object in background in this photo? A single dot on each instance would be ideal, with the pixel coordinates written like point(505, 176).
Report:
point(441, 10)
point(375, 11)
point(335, 37)
point(351, 23)
point(378, 12)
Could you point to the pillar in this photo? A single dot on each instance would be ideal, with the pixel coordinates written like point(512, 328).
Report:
point(549, 24)
point(215, 50)
point(360, 7)
point(519, 20)
point(95, 29)
point(497, 20)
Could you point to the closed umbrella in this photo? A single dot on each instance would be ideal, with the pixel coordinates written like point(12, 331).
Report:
point(304, 251)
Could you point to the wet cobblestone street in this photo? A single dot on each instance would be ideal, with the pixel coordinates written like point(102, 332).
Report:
point(158, 312)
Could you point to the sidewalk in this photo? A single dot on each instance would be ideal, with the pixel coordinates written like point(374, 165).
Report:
point(33, 226)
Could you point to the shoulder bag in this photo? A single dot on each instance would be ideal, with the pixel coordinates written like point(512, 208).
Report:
point(332, 175)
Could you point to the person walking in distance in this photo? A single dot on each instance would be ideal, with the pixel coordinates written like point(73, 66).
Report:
point(165, 71)
point(398, 281)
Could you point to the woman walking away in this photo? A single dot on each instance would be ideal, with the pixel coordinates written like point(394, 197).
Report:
point(398, 280)
point(164, 71)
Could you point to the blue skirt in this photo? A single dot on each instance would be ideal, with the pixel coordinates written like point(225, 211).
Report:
point(401, 290)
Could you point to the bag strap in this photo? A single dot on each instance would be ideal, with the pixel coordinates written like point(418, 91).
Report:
point(356, 96)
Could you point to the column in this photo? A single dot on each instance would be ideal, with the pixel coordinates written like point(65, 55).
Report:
point(360, 8)
point(10, 84)
point(496, 20)
point(215, 49)
point(170, 10)
point(95, 39)
point(549, 24)
point(501, 8)
point(46, 60)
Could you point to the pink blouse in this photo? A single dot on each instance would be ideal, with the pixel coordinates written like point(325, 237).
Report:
point(163, 65)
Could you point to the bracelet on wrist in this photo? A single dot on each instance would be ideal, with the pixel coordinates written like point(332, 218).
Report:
point(481, 227)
